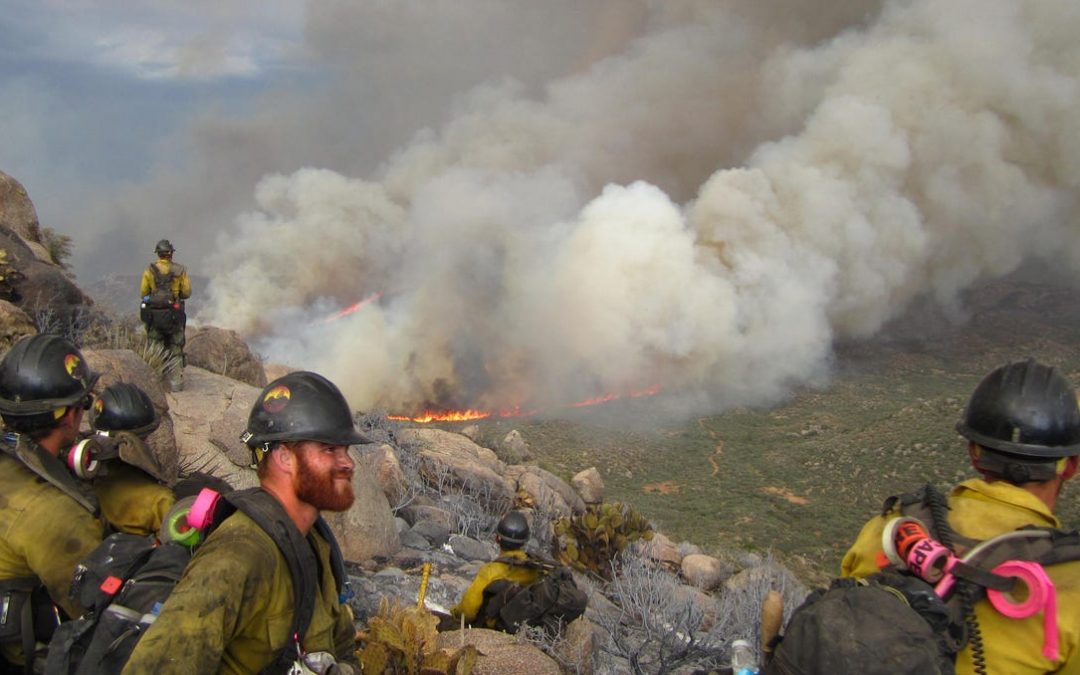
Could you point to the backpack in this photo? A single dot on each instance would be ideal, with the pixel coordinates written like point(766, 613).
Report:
point(160, 309)
point(122, 595)
point(895, 622)
point(550, 602)
point(162, 295)
point(124, 582)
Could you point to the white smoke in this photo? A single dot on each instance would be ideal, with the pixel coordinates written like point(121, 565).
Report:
point(538, 251)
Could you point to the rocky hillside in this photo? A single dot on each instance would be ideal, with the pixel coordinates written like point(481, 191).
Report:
point(425, 497)
point(740, 503)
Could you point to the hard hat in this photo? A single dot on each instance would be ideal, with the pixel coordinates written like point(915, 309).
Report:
point(124, 407)
point(164, 246)
point(1024, 408)
point(301, 406)
point(41, 374)
point(513, 529)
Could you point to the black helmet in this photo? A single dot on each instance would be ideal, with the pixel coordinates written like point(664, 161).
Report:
point(1026, 409)
point(301, 406)
point(123, 407)
point(164, 246)
point(41, 374)
point(513, 530)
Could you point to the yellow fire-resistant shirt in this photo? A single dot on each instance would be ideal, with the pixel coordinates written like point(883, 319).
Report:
point(181, 284)
point(233, 609)
point(131, 501)
point(473, 598)
point(46, 533)
point(981, 510)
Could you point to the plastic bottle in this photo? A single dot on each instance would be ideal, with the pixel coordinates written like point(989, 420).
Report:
point(742, 658)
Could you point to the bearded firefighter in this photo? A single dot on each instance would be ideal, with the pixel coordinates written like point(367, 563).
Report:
point(263, 592)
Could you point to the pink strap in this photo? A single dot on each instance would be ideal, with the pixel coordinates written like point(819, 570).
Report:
point(1041, 597)
point(202, 511)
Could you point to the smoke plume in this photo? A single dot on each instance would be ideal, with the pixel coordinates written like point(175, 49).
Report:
point(705, 208)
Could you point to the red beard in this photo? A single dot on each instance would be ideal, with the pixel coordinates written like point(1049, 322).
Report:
point(320, 489)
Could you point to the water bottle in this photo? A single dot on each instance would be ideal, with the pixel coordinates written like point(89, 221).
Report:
point(742, 658)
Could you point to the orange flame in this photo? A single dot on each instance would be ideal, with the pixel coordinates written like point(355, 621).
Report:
point(468, 415)
point(445, 416)
point(354, 307)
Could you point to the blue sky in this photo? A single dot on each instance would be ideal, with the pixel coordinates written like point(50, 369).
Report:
point(129, 121)
point(96, 95)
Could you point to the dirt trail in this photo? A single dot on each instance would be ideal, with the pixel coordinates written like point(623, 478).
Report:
point(718, 451)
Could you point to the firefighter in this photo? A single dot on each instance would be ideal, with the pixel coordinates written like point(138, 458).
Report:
point(125, 414)
point(165, 286)
point(512, 533)
point(238, 607)
point(48, 517)
point(1022, 426)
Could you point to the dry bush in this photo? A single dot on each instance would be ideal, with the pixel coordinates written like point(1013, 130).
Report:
point(658, 627)
point(739, 614)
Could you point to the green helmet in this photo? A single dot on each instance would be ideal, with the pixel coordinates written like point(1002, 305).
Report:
point(164, 246)
point(1026, 409)
point(513, 530)
point(301, 406)
point(39, 375)
point(124, 407)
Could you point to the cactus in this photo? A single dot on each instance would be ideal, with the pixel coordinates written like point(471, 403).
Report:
point(590, 541)
point(402, 641)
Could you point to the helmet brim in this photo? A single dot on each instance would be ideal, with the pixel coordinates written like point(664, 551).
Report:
point(1022, 449)
point(45, 405)
point(352, 437)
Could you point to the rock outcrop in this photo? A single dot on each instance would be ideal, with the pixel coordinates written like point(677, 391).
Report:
point(500, 653)
point(42, 287)
point(15, 324)
point(17, 211)
point(223, 352)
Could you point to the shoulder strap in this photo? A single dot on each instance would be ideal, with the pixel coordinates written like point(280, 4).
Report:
point(162, 278)
point(931, 506)
point(269, 515)
point(528, 563)
point(52, 470)
point(337, 560)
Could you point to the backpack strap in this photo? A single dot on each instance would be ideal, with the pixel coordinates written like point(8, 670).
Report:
point(18, 598)
point(270, 515)
point(162, 280)
point(528, 563)
point(52, 470)
point(930, 506)
point(337, 560)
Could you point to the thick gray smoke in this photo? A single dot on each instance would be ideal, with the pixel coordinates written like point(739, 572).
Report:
point(704, 211)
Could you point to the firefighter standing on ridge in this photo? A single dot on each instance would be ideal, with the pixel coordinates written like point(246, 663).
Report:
point(165, 286)
point(1022, 424)
point(263, 593)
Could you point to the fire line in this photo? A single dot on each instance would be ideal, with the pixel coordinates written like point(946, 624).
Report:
point(429, 416)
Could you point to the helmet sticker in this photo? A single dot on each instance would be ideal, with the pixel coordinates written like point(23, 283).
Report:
point(74, 366)
point(99, 406)
point(276, 399)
